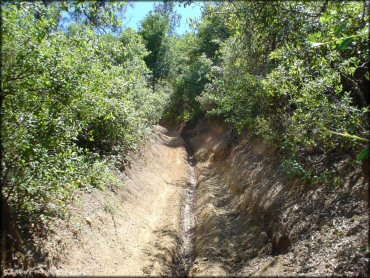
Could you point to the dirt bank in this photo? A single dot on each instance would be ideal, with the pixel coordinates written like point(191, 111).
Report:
point(252, 221)
point(140, 235)
point(134, 230)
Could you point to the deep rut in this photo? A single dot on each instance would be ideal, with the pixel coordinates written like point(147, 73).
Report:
point(186, 249)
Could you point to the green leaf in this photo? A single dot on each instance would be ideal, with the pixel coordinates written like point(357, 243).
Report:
point(339, 29)
point(345, 43)
point(312, 38)
point(364, 154)
point(324, 19)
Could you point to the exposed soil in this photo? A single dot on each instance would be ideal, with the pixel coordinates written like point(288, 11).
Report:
point(134, 230)
point(145, 234)
point(252, 221)
point(209, 207)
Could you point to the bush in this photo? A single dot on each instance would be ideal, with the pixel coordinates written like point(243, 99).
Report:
point(71, 101)
point(301, 86)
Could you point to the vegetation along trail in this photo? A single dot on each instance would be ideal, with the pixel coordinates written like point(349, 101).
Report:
point(199, 138)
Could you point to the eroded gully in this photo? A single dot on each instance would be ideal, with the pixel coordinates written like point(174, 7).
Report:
point(186, 248)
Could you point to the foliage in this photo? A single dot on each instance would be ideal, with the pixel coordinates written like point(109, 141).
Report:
point(294, 73)
point(71, 101)
point(101, 15)
point(154, 31)
point(190, 59)
point(364, 154)
point(167, 8)
point(234, 93)
point(188, 74)
point(211, 31)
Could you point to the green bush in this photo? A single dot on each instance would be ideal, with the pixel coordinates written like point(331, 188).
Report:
point(71, 102)
point(300, 85)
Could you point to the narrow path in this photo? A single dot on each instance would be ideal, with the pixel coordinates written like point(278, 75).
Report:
point(147, 230)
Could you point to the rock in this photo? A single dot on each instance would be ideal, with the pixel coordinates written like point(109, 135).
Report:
point(219, 151)
point(263, 237)
point(339, 267)
point(39, 272)
point(280, 244)
point(147, 269)
point(88, 221)
point(195, 269)
point(58, 239)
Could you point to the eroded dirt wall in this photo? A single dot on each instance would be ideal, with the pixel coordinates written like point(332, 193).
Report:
point(252, 221)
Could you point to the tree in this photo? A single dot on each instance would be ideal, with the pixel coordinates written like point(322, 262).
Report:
point(294, 73)
point(212, 31)
point(154, 31)
point(167, 8)
point(101, 15)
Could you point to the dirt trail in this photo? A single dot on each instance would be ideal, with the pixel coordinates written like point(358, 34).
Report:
point(215, 208)
point(137, 231)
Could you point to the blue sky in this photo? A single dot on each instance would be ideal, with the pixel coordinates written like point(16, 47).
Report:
point(139, 9)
